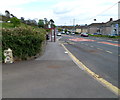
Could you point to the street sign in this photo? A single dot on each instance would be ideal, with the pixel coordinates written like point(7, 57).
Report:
point(116, 25)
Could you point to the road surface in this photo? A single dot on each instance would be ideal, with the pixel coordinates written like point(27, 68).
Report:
point(98, 54)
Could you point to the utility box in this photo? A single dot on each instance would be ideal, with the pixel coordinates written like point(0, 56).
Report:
point(8, 56)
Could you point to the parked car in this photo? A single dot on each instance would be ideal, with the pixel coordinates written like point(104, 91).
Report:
point(67, 33)
point(72, 33)
point(59, 34)
point(113, 35)
point(97, 33)
point(84, 34)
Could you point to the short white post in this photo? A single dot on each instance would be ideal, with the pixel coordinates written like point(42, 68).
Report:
point(8, 56)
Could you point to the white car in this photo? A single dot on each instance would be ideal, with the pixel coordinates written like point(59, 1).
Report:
point(72, 33)
point(84, 34)
point(59, 34)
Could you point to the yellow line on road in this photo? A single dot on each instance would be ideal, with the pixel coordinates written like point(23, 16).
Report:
point(97, 77)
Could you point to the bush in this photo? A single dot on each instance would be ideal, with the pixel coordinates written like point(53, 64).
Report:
point(25, 42)
point(15, 21)
point(22, 46)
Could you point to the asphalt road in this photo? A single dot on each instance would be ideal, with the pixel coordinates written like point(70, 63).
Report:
point(99, 54)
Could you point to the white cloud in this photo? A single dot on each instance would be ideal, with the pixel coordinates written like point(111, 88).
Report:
point(15, 2)
point(11, 5)
point(63, 11)
point(84, 10)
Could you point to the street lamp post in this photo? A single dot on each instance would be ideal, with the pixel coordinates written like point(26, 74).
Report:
point(74, 25)
point(119, 10)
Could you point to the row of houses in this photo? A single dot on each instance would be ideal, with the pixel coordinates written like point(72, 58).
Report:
point(109, 27)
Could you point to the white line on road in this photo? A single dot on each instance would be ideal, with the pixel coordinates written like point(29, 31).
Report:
point(99, 48)
point(58, 38)
point(86, 44)
point(115, 41)
point(91, 46)
point(109, 52)
point(109, 40)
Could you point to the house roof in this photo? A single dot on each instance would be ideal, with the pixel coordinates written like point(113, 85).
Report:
point(116, 21)
point(109, 23)
point(81, 27)
point(96, 24)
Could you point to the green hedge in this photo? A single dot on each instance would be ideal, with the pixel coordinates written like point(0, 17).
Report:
point(25, 42)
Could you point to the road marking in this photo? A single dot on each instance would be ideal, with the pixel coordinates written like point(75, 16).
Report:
point(108, 43)
point(69, 42)
point(58, 38)
point(109, 40)
point(99, 48)
point(115, 41)
point(118, 55)
point(86, 44)
point(91, 46)
point(65, 43)
point(80, 39)
point(105, 83)
point(109, 52)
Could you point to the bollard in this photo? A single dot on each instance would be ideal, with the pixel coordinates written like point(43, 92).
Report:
point(8, 56)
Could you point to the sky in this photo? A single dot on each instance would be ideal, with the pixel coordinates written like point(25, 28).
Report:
point(63, 12)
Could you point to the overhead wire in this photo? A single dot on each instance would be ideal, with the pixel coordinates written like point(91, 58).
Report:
point(100, 12)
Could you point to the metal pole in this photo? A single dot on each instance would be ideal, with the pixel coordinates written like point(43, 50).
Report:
point(51, 34)
point(54, 35)
point(73, 24)
point(119, 10)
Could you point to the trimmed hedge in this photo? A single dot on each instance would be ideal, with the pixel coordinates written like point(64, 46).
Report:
point(25, 42)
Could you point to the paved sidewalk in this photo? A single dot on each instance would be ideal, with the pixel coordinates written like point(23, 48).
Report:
point(53, 75)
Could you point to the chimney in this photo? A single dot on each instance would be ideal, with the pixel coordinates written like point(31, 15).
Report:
point(111, 19)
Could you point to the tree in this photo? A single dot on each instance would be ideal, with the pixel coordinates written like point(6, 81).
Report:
point(41, 23)
point(7, 13)
point(12, 15)
point(51, 20)
point(52, 23)
point(15, 21)
point(59, 29)
point(66, 30)
point(45, 20)
point(46, 23)
point(22, 19)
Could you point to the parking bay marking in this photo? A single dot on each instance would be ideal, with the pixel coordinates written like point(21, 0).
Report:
point(106, 50)
point(105, 83)
point(99, 48)
point(109, 51)
point(91, 46)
